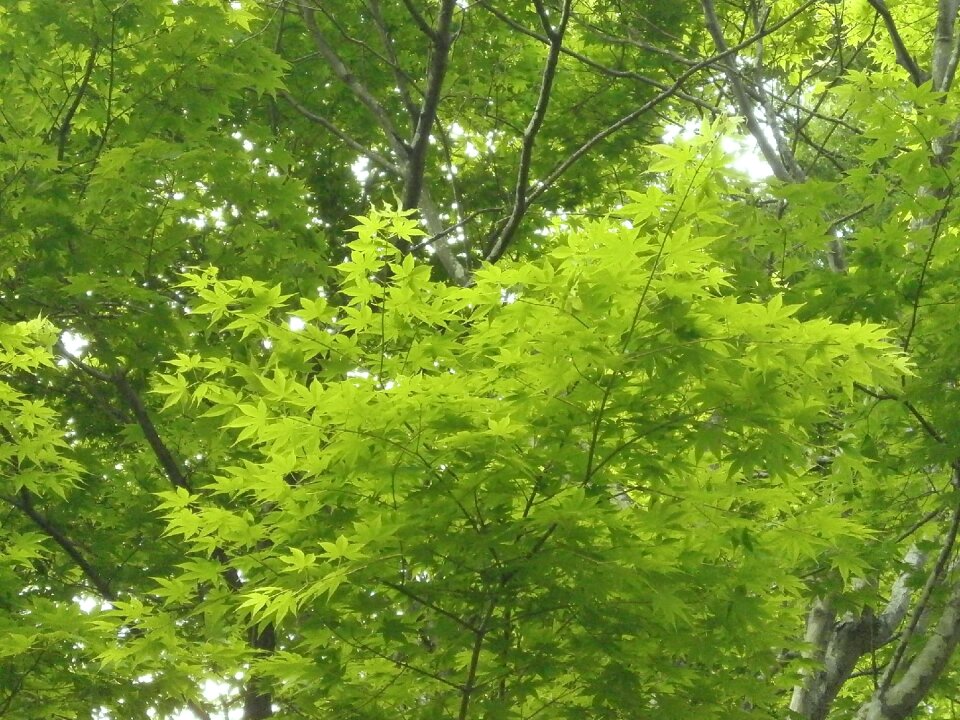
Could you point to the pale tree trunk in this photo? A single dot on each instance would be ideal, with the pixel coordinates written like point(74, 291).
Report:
point(837, 645)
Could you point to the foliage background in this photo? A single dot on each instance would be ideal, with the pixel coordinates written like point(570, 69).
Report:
point(384, 359)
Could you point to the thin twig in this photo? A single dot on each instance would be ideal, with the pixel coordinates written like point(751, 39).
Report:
point(933, 514)
point(404, 590)
point(927, 426)
point(928, 258)
point(452, 228)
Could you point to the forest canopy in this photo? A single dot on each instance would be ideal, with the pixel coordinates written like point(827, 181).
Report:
point(479, 359)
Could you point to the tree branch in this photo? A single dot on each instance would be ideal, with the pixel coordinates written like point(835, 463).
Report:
point(838, 645)
point(639, 44)
point(403, 80)
point(24, 503)
point(258, 701)
point(416, 162)
point(904, 59)
point(376, 158)
point(786, 150)
point(590, 62)
point(943, 64)
point(347, 77)
point(466, 691)
point(431, 217)
point(783, 166)
point(507, 232)
point(411, 159)
point(404, 590)
point(64, 131)
point(932, 581)
point(163, 454)
point(119, 380)
point(452, 228)
point(355, 40)
point(418, 19)
point(895, 701)
point(197, 709)
point(807, 697)
point(394, 659)
point(561, 168)
point(925, 267)
point(901, 592)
